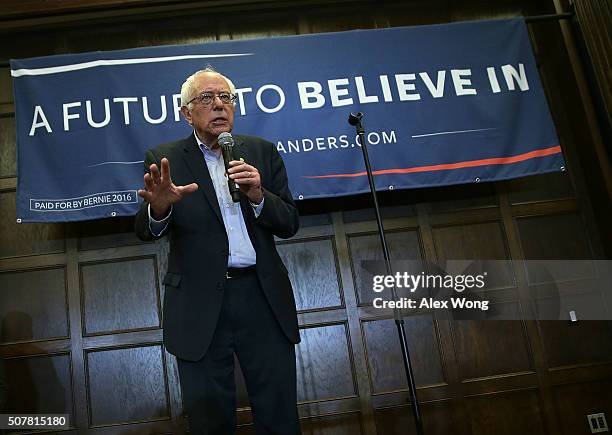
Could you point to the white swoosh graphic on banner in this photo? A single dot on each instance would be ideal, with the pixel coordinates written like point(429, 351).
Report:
point(110, 62)
point(451, 132)
point(117, 163)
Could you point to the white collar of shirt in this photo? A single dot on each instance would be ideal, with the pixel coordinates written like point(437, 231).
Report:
point(206, 149)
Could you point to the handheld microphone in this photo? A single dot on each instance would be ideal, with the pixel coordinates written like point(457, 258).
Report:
point(226, 142)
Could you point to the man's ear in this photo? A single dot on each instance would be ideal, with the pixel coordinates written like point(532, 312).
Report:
point(187, 114)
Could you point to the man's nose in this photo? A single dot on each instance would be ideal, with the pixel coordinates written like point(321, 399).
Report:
point(217, 104)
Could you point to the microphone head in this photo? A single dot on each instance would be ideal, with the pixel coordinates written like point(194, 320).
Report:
point(355, 118)
point(225, 139)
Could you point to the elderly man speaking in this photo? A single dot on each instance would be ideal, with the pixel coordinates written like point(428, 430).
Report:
point(226, 291)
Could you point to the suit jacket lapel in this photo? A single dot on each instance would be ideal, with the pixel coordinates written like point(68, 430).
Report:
point(197, 165)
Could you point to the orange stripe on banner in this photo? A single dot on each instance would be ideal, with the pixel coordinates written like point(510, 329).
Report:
point(458, 165)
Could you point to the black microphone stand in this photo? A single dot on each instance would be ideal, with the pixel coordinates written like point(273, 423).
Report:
point(355, 119)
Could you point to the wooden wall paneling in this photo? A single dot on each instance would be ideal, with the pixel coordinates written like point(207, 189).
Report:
point(587, 300)
point(8, 184)
point(337, 424)
point(107, 233)
point(315, 220)
point(594, 18)
point(140, 31)
point(507, 413)
point(340, 424)
point(476, 10)
point(339, 18)
point(556, 237)
point(258, 25)
point(385, 364)
point(179, 422)
point(31, 239)
point(12, 8)
point(324, 364)
point(415, 13)
point(367, 260)
point(118, 253)
point(574, 123)
point(80, 415)
point(194, 29)
point(483, 245)
point(313, 270)
point(477, 343)
point(126, 385)
point(475, 241)
point(548, 339)
point(81, 39)
point(439, 418)
point(35, 348)
point(387, 212)
point(602, 165)
point(569, 344)
point(39, 384)
point(33, 305)
point(8, 150)
point(122, 339)
point(565, 344)
point(464, 217)
point(465, 196)
point(480, 343)
point(449, 356)
point(575, 401)
point(354, 325)
point(120, 296)
point(6, 86)
point(535, 342)
point(545, 187)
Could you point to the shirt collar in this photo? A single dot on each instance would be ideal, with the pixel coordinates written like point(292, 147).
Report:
point(208, 152)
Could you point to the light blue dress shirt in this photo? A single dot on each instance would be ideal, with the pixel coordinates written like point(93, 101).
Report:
point(242, 253)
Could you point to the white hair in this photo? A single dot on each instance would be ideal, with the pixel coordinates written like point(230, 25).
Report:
point(188, 88)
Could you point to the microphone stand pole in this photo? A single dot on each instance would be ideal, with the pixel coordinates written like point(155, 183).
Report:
point(355, 119)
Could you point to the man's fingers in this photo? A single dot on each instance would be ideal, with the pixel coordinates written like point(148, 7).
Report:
point(237, 166)
point(165, 170)
point(188, 188)
point(244, 175)
point(148, 181)
point(154, 170)
point(236, 162)
point(145, 195)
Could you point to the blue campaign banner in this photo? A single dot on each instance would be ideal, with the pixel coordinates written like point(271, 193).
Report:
point(443, 104)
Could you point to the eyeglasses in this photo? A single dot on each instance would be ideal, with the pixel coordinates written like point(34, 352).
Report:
point(206, 98)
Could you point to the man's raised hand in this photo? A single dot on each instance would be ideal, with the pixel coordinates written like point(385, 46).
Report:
point(160, 191)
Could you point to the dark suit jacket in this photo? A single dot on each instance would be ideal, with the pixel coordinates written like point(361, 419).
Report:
point(199, 247)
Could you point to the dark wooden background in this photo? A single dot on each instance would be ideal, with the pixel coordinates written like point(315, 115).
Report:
point(80, 303)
